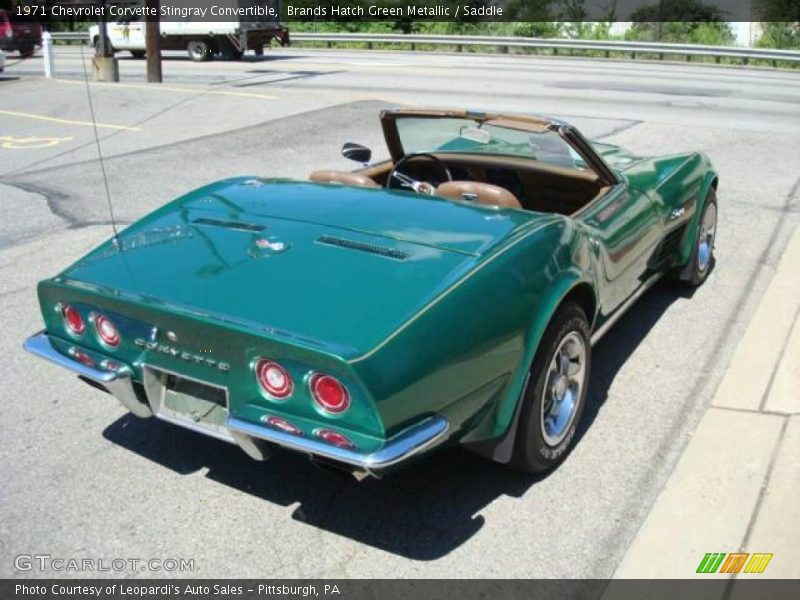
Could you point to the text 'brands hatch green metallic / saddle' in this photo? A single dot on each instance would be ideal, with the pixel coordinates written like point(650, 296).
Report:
point(450, 294)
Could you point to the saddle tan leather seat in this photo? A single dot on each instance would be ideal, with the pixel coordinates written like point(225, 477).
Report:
point(476, 191)
point(342, 177)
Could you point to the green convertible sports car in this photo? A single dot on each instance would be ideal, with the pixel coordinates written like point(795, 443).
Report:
point(450, 294)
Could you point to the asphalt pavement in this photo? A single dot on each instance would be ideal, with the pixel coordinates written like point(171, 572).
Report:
point(83, 478)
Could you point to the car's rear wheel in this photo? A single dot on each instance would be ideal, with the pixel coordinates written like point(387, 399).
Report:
point(556, 392)
point(27, 52)
point(138, 53)
point(702, 261)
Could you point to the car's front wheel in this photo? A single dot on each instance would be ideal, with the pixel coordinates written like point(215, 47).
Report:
point(199, 50)
point(556, 392)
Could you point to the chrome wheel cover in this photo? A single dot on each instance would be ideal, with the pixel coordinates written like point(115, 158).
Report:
point(197, 48)
point(563, 388)
point(705, 239)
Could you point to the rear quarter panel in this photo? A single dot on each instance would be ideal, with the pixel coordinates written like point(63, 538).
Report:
point(466, 355)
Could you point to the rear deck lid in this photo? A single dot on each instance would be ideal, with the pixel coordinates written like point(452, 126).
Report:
point(402, 216)
point(295, 259)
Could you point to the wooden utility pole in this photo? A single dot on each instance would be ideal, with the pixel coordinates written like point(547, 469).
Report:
point(103, 47)
point(104, 65)
point(153, 41)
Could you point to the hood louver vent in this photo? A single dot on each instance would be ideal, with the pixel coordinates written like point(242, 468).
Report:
point(237, 225)
point(363, 247)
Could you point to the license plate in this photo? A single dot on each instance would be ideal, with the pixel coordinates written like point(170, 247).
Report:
point(190, 403)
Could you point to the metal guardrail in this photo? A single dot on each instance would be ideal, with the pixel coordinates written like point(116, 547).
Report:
point(70, 36)
point(507, 42)
point(606, 46)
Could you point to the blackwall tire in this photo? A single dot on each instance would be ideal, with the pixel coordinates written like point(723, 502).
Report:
point(703, 260)
point(199, 50)
point(556, 393)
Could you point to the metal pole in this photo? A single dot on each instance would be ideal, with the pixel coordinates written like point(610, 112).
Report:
point(660, 24)
point(47, 50)
point(153, 41)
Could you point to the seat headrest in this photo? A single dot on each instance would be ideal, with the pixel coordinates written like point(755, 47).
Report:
point(476, 191)
point(342, 177)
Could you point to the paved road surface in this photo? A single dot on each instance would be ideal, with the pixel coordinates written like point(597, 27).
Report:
point(82, 478)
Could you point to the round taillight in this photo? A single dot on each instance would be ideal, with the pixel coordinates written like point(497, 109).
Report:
point(334, 437)
point(282, 425)
point(274, 379)
point(72, 320)
point(329, 394)
point(106, 330)
point(81, 357)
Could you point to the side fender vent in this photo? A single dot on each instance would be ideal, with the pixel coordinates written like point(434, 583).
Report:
point(329, 240)
point(237, 225)
point(669, 245)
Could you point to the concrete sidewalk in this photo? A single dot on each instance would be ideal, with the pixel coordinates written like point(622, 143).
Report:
point(736, 488)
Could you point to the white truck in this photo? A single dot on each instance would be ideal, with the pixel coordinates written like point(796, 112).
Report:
point(200, 37)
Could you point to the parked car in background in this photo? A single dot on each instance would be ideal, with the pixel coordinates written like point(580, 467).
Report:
point(17, 35)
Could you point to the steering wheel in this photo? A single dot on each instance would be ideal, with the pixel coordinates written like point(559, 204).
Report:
point(397, 179)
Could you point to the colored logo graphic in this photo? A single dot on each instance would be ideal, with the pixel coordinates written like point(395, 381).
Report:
point(719, 562)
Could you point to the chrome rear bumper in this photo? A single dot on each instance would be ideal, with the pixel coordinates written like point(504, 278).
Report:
point(249, 436)
point(118, 382)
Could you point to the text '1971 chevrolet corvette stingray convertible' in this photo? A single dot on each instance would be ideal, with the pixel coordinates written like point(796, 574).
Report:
point(450, 294)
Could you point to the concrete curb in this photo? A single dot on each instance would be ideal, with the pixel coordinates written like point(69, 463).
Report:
point(735, 487)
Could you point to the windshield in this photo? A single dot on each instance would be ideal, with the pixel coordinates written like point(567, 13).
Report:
point(466, 136)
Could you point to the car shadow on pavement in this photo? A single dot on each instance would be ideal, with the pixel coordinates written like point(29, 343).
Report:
point(422, 512)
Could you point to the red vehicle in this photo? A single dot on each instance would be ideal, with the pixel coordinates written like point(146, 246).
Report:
point(18, 35)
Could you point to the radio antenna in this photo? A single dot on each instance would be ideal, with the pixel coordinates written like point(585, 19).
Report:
point(115, 240)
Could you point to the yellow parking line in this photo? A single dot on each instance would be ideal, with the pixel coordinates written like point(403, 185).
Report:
point(9, 142)
point(13, 113)
point(184, 90)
